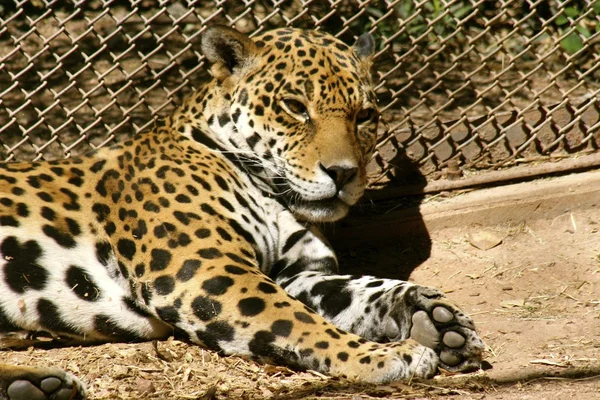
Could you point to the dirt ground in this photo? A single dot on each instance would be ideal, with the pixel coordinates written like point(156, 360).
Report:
point(535, 298)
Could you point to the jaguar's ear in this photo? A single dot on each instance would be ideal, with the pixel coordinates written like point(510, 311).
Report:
point(365, 48)
point(227, 49)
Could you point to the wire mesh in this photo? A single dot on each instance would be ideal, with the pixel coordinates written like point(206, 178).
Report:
point(463, 84)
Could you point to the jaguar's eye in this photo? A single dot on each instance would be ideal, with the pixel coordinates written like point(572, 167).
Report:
point(296, 108)
point(365, 115)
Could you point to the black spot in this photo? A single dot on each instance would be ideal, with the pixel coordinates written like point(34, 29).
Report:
point(210, 253)
point(335, 298)
point(106, 326)
point(135, 307)
point(63, 239)
point(8, 220)
point(205, 308)
point(215, 332)
point(82, 284)
point(267, 288)
point(140, 230)
point(261, 344)
point(188, 270)
point(22, 271)
point(282, 327)
point(202, 182)
point(208, 209)
point(224, 234)
point(407, 358)
point(33, 182)
point(293, 239)
point(48, 213)
point(110, 228)
point(160, 259)
point(140, 270)
point(73, 226)
point(239, 259)
point(375, 296)
point(235, 270)
point(151, 206)
point(126, 248)
point(365, 360)
point(342, 356)
point(333, 334)
point(22, 210)
point(222, 183)
point(51, 320)
point(101, 211)
point(169, 314)
point(253, 139)
point(251, 306)
point(97, 166)
point(163, 229)
point(202, 233)
point(164, 285)
point(282, 304)
point(303, 317)
point(376, 283)
point(354, 345)
point(223, 119)
point(182, 198)
point(169, 187)
point(217, 285)
point(72, 205)
point(306, 352)
point(322, 345)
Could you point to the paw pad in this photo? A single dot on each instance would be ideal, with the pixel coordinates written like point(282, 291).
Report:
point(454, 340)
point(449, 358)
point(25, 390)
point(442, 315)
point(423, 330)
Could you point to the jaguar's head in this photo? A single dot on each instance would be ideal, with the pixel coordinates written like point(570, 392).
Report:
point(299, 106)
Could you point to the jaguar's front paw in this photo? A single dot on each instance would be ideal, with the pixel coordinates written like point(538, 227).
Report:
point(33, 383)
point(425, 315)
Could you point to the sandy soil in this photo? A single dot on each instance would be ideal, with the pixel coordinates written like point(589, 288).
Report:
point(535, 298)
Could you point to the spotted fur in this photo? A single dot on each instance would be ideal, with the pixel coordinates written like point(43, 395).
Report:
point(202, 227)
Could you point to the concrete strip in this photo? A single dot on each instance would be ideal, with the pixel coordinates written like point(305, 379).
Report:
point(509, 204)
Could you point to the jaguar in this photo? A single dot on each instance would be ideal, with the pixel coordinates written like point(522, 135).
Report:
point(205, 228)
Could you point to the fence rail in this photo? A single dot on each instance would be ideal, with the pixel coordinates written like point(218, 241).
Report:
point(464, 85)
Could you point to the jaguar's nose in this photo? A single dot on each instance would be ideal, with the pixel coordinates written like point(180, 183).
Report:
point(340, 175)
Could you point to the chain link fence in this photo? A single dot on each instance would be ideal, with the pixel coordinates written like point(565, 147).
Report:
point(464, 85)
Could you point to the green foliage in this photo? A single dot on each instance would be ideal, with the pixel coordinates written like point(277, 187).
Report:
point(417, 18)
point(578, 23)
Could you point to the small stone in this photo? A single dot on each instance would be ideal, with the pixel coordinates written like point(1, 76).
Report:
point(454, 340)
point(144, 386)
point(486, 239)
point(24, 390)
point(442, 315)
point(450, 359)
point(51, 384)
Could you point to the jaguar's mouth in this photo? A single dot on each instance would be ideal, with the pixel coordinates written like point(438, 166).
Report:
point(324, 210)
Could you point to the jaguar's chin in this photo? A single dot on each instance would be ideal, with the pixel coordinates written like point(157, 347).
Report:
point(326, 210)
